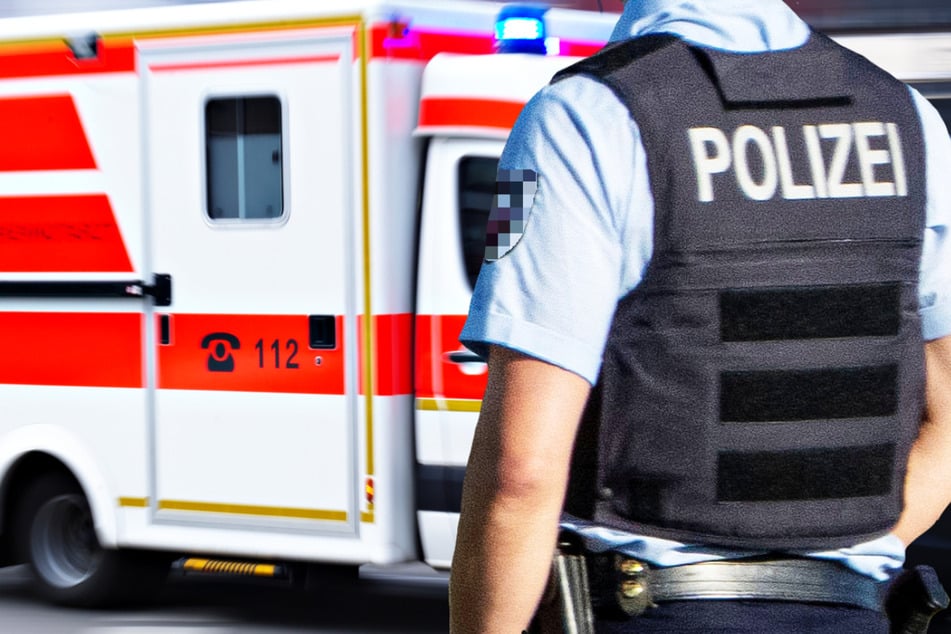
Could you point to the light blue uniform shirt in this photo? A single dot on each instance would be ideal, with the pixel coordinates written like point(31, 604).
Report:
point(588, 238)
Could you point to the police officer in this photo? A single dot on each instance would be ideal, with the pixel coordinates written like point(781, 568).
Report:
point(736, 232)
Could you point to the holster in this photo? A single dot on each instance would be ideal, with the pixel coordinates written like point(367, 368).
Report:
point(566, 605)
point(913, 599)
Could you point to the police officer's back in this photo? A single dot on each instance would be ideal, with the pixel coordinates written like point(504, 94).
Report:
point(739, 218)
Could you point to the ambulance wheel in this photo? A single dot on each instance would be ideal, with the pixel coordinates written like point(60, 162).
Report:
point(57, 538)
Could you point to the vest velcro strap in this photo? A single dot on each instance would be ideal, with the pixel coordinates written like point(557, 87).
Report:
point(794, 395)
point(815, 474)
point(863, 310)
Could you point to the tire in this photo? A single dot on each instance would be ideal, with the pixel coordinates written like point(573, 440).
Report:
point(56, 537)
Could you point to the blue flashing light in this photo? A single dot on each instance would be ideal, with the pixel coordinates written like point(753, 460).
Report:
point(521, 29)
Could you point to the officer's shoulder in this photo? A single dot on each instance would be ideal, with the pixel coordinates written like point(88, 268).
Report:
point(581, 98)
point(616, 55)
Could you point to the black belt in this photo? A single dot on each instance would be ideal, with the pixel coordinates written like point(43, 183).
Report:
point(633, 587)
point(800, 580)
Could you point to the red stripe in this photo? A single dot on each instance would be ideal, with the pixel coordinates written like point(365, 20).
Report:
point(437, 336)
point(55, 58)
point(71, 349)
point(272, 355)
point(60, 234)
point(397, 42)
point(394, 349)
point(482, 113)
point(246, 62)
point(579, 49)
point(42, 133)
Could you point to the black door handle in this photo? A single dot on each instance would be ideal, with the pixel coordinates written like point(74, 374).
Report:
point(464, 356)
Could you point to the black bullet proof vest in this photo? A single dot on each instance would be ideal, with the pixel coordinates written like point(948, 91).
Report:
point(763, 384)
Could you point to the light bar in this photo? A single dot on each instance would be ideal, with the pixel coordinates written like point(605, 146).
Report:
point(521, 29)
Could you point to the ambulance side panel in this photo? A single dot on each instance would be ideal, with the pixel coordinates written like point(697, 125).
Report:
point(72, 368)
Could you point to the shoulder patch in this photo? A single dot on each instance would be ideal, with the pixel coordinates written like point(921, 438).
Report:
point(511, 206)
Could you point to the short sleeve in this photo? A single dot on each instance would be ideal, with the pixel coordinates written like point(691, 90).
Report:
point(550, 290)
point(935, 281)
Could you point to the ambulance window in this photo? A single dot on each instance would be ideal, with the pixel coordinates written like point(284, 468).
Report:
point(476, 188)
point(244, 158)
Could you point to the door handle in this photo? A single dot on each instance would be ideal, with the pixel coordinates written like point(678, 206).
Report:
point(464, 356)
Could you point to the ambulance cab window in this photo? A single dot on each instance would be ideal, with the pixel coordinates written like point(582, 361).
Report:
point(476, 188)
point(244, 158)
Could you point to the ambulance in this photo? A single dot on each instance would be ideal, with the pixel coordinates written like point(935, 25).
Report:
point(237, 246)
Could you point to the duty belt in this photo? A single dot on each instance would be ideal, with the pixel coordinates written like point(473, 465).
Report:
point(632, 586)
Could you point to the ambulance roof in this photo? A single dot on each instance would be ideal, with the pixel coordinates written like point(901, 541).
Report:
point(456, 15)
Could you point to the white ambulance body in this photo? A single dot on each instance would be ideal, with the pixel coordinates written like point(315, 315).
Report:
point(212, 273)
point(237, 245)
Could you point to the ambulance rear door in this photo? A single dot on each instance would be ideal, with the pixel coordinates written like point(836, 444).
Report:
point(254, 363)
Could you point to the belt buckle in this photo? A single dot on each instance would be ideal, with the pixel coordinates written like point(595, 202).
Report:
point(632, 585)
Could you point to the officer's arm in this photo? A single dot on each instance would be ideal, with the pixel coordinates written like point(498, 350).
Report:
point(513, 492)
point(928, 483)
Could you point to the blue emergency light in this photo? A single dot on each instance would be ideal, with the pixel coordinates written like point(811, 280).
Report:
point(521, 29)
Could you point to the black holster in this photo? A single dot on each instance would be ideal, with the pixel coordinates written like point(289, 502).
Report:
point(566, 605)
point(914, 597)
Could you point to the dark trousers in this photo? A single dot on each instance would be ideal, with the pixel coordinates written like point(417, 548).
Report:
point(759, 617)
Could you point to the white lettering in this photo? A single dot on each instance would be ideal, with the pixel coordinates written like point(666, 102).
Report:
point(840, 160)
point(791, 191)
point(709, 164)
point(869, 158)
point(898, 159)
point(763, 164)
point(742, 138)
point(816, 163)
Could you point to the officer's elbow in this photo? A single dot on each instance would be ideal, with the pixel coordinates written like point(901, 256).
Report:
point(528, 478)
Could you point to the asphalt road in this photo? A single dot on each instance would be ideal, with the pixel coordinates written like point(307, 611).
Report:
point(402, 599)
point(408, 599)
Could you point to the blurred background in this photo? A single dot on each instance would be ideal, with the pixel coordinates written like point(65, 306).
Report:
point(822, 14)
point(838, 16)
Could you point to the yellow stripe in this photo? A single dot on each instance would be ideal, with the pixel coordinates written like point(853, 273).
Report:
point(247, 509)
point(134, 502)
point(279, 25)
point(368, 338)
point(230, 567)
point(448, 405)
point(367, 517)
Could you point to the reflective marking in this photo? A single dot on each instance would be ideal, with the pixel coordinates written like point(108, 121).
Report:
point(366, 354)
point(448, 405)
point(42, 133)
point(133, 502)
point(61, 234)
point(249, 353)
point(71, 349)
point(247, 509)
point(218, 566)
point(46, 58)
point(468, 113)
point(239, 63)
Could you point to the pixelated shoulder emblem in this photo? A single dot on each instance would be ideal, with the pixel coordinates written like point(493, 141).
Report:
point(511, 206)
